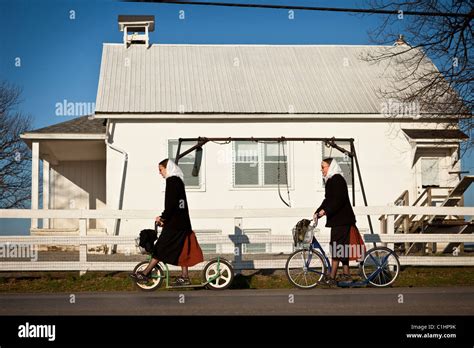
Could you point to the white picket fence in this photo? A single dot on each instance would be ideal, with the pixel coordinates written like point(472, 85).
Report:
point(82, 240)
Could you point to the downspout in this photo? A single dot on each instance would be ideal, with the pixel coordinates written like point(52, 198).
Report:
point(113, 250)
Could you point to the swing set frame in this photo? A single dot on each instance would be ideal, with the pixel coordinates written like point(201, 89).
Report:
point(329, 142)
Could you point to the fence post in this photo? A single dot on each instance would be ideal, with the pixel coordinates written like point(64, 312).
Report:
point(238, 232)
point(383, 224)
point(34, 180)
point(391, 228)
point(46, 175)
point(406, 229)
point(82, 247)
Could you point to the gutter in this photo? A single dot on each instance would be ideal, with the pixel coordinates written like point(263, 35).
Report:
point(116, 230)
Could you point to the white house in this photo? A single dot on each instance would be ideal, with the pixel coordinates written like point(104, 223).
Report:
point(150, 95)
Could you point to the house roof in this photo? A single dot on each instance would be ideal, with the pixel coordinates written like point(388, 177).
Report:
point(300, 79)
point(79, 125)
point(435, 134)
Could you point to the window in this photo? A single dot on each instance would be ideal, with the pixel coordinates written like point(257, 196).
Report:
point(260, 164)
point(208, 248)
point(255, 248)
point(342, 159)
point(429, 172)
point(186, 163)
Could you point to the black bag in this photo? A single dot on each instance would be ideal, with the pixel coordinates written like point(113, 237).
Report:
point(147, 239)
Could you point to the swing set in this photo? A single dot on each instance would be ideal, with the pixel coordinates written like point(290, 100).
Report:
point(281, 141)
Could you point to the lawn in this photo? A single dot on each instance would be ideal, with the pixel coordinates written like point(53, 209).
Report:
point(263, 279)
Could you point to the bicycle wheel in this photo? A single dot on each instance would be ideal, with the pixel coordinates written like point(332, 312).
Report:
point(213, 268)
point(380, 266)
point(302, 273)
point(156, 277)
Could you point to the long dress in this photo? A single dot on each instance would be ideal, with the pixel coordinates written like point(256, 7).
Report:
point(177, 243)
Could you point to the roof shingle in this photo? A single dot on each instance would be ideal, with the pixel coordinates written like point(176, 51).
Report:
point(79, 125)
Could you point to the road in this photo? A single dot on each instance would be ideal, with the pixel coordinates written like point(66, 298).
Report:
point(363, 301)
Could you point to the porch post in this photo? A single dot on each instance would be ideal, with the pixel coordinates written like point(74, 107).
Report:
point(45, 191)
point(34, 180)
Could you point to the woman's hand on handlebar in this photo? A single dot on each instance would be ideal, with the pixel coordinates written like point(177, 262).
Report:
point(319, 214)
point(159, 221)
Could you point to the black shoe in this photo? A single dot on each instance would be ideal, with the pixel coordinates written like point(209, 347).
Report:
point(139, 277)
point(181, 281)
point(328, 282)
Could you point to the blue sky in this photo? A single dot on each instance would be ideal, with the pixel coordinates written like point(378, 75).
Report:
point(60, 56)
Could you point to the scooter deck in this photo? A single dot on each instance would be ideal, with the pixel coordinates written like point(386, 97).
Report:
point(191, 286)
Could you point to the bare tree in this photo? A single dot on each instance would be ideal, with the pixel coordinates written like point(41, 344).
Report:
point(441, 31)
point(15, 156)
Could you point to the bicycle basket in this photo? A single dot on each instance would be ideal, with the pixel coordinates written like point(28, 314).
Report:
point(303, 232)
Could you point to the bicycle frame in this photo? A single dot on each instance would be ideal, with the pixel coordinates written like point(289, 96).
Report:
point(315, 245)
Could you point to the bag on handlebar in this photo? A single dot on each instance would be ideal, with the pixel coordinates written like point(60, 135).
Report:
point(147, 240)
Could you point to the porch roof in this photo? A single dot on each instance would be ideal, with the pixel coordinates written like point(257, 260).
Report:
point(84, 127)
point(59, 141)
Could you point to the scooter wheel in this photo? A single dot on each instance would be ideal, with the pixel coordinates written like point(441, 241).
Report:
point(156, 277)
point(213, 279)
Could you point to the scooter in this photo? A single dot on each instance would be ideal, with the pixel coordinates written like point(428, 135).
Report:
point(217, 274)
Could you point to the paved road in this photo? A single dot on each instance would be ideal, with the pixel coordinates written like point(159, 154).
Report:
point(365, 301)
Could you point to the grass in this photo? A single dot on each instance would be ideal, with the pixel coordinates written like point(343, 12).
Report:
point(264, 279)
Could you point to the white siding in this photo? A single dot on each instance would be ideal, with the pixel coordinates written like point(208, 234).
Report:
point(78, 185)
point(384, 154)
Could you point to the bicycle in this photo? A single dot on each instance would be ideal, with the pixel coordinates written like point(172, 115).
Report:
point(307, 266)
point(218, 274)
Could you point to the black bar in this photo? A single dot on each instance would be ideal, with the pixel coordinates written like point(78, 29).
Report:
point(219, 331)
point(363, 193)
point(268, 139)
point(201, 142)
point(176, 159)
